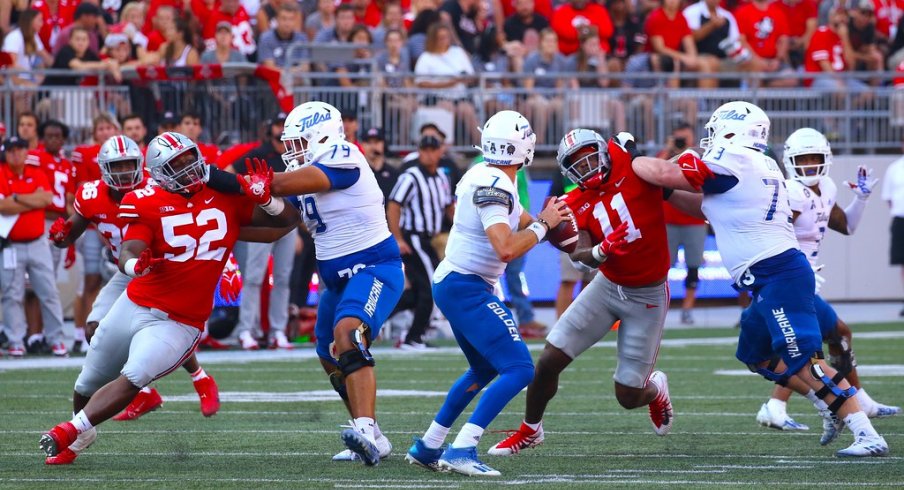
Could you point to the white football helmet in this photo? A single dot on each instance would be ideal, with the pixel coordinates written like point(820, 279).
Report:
point(806, 141)
point(307, 126)
point(169, 170)
point(507, 139)
point(739, 123)
point(117, 150)
point(589, 171)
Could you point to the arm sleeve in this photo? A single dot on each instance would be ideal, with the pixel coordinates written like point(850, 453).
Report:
point(223, 181)
point(340, 178)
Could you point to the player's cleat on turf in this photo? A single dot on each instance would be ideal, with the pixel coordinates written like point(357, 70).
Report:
point(780, 421)
point(279, 341)
point(880, 411)
point(143, 403)
point(421, 455)
point(464, 460)
point(209, 395)
point(383, 446)
point(67, 456)
point(864, 446)
point(360, 445)
point(82, 442)
point(661, 414)
point(58, 439)
point(523, 438)
point(832, 425)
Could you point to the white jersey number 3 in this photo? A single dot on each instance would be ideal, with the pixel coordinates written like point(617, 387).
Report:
point(618, 205)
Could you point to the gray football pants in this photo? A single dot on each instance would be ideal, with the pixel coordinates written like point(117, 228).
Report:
point(253, 271)
point(33, 257)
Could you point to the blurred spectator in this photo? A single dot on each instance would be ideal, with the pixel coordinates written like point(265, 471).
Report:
point(179, 48)
point(26, 48)
point(572, 19)
point(10, 11)
point(393, 18)
point(446, 68)
point(415, 8)
point(27, 128)
point(888, 14)
point(718, 40)
point(360, 65)
point(224, 51)
point(545, 105)
point(345, 22)
point(670, 38)
point(87, 17)
point(628, 36)
point(324, 18)
point(267, 14)
point(893, 194)
point(118, 47)
point(254, 268)
point(25, 192)
point(683, 230)
point(170, 122)
point(374, 142)
point(367, 12)
point(57, 14)
point(84, 157)
point(764, 27)
point(350, 125)
point(593, 109)
point(394, 66)
point(447, 161)
point(863, 37)
point(134, 128)
point(163, 21)
point(503, 60)
point(273, 49)
point(131, 20)
point(524, 18)
point(462, 16)
point(417, 34)
point(229, 11)
point(896, 50)
point(830, 52)
point(77, 55)
point(801, 15)
point(190, 125)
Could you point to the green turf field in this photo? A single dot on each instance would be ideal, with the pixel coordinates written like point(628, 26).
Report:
point(591, 442)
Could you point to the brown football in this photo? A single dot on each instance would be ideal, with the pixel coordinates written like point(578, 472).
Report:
point(565, 236)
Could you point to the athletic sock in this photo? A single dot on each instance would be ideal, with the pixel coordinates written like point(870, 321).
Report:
point(81, 422)
point(860, 425)
point(146, 389)
point(435, 435)
point(468, 436)
point(867, 404)
point(816, 401)
point(377, 432)
point(533, 427)
point(198, 375)
point(365, 426)
point(79, 334)
point(777, 406)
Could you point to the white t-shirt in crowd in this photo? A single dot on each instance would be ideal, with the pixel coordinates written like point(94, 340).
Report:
point(14, 43)
point(893, 187)
point(432, 67)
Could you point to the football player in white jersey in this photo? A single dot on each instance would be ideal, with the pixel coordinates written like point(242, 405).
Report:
point(813, 197)
point(488, 230)
point(747, 204)
point(357, 258)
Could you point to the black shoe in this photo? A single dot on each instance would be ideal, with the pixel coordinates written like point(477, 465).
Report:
point(38, 347)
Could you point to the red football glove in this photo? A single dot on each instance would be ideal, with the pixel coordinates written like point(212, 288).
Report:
point(695, 171)
point(256, 181)
point(70, 256)
point(143, 264)
point(59, 230)
point(615, 241)
point(230, 286)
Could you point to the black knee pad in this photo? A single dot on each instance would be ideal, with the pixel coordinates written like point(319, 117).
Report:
point(353, 360)
point(338, 382)
point(693, 278)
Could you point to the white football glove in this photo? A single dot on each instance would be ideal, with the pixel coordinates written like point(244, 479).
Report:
point(819, 279)
point(863, 187)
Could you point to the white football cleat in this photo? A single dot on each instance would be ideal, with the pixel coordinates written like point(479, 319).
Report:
point(279, 341)
point(382, 443)
point(780, 421)
point(465, 462)
point(247, 341)
point(865, 446)
point(661, 414)
point(832, 425)
point(880, 411)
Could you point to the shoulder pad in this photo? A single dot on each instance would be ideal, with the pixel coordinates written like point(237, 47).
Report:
point(488, 196)
point(338, 153)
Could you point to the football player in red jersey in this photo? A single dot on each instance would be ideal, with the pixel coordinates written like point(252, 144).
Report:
point(618, 209)
point(179, 236)
point(61, 175)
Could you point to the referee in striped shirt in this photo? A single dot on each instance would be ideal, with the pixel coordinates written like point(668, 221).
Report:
point(417, 204)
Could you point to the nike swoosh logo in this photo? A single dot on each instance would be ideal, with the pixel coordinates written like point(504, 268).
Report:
point(649, 306)
point(687, 165)
point(207, 201)
point(619, 183)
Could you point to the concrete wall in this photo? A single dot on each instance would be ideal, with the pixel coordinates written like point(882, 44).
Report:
point(857, 267)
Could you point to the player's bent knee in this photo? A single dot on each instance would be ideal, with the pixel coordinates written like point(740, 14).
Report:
point(358, 357)
point(522, 374)
point(830, 385)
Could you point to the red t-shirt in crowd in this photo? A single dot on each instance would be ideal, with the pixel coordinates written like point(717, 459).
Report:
point(625, 197)
point(672, 31)
point(84, 158)
point(195, 235)
point(798, 15)
point(566, 21)
point(888, 13)
point(542, 7)
point(60, 175)
point(762, 28)
point(825, 45)
point(242, 32)
point(30, 225)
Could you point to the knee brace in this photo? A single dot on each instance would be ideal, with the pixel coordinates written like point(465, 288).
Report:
point(359, 357)
point(693, 278)
point(338, 382)
point(830, 385)
point(769, 373)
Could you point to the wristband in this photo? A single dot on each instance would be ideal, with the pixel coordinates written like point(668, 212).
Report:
point(273, 207)
point(544, 223)
point(538, 230)
point(129, 267)
point(598, 254)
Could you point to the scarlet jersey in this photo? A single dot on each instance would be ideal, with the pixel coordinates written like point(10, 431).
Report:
point(825, 45)
point(625, 197)
point(195, 235)
point(888, 14)
point(672, 31)
point(30, 225)
point(798, 14)
point(54, 23)
point(762, 28)
point(60, 174)
point(85, 160)
point(95, 203)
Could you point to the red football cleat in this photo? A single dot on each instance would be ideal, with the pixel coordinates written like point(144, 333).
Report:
point(58, 439)
point(523, 438)
point(209, 395)
point(143, 403)
point(66, 457)
point(661, 414)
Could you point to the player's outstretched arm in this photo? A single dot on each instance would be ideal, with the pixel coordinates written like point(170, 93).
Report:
point(688, 173)
point(65, 232)
point(135, 258)
point(509, 245)
point(846, 221)
point(307, 180)
point(265, 216)
point(689, 203)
